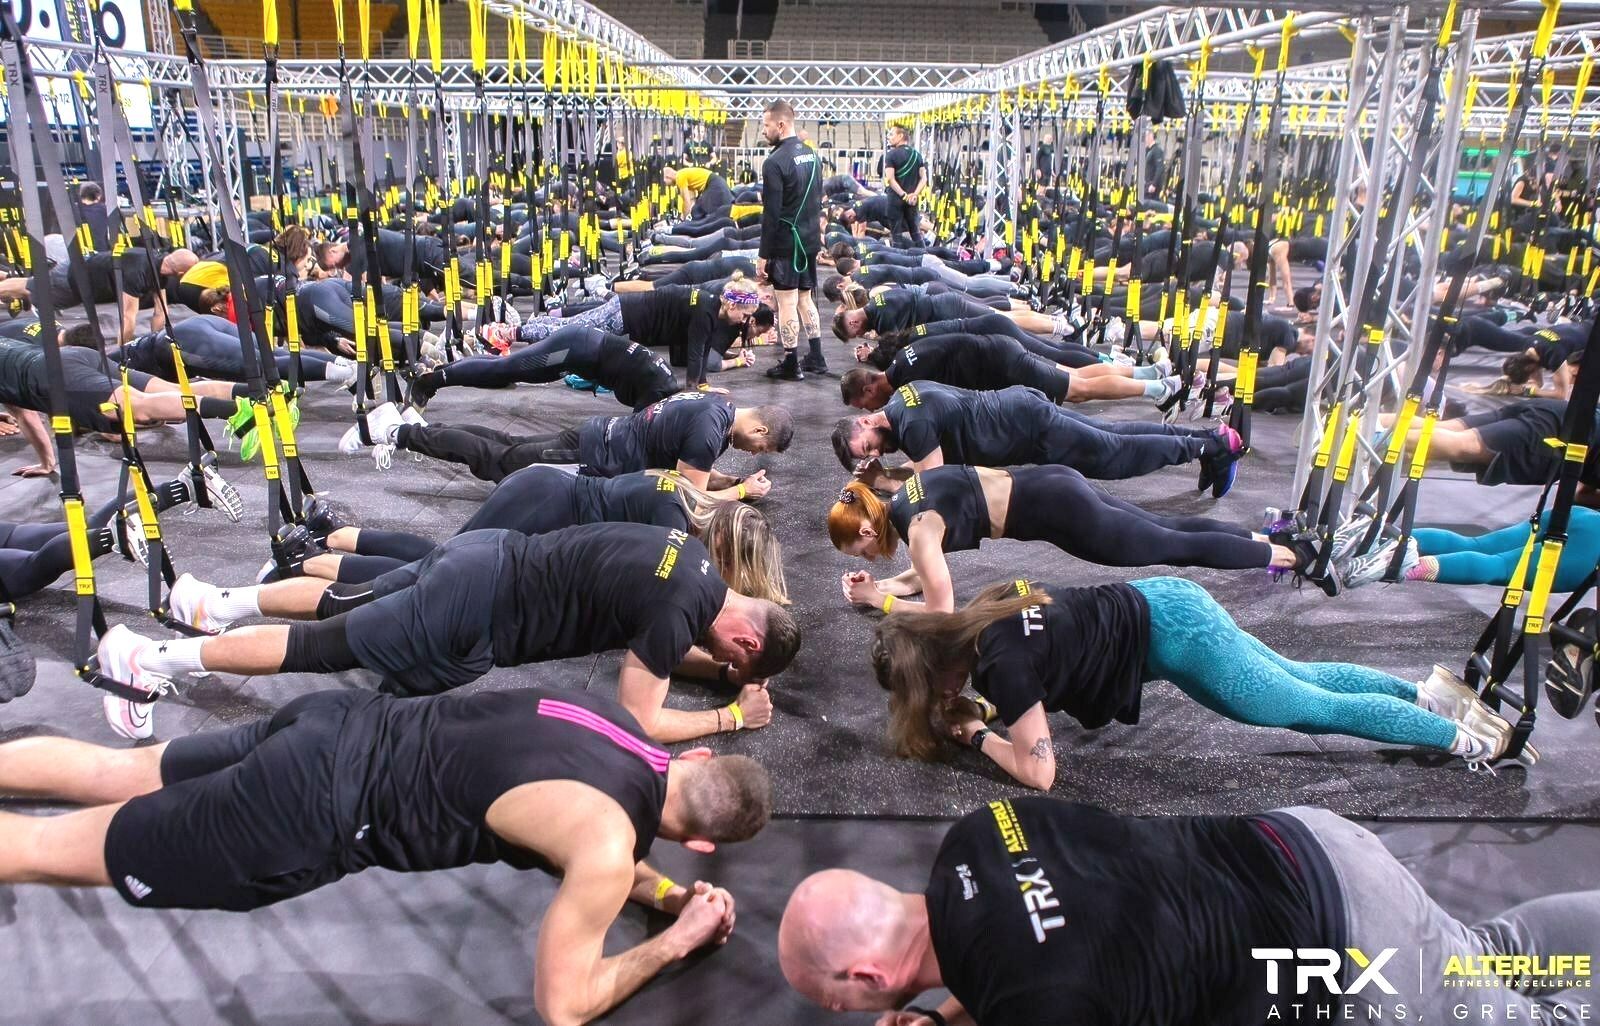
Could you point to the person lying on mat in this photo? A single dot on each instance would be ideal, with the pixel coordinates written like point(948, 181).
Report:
point(487, 599)
point(1033, 649)
point(956, 509)
point(563, 781)
point(1048, 913)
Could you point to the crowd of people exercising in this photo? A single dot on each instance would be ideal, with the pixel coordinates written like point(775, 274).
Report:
point(618, 533)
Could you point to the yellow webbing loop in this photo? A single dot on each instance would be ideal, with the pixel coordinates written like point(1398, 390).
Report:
point(1244, 386)
point(78, 531)
point(291, 317)
point(280, 416)
point(364, 20)
point(1325, 445)
point(269, 444)
point(1543, 579)
point(1547, 25)
point(1347, 448)
point(269, 22)
point(1401, 428)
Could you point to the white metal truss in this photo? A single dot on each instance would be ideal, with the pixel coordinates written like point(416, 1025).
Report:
point(1390, 85)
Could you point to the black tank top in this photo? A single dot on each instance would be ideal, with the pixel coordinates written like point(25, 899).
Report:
point(952, 492)
point(423, 772)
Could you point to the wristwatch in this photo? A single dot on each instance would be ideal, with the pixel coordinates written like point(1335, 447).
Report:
point(977, 738)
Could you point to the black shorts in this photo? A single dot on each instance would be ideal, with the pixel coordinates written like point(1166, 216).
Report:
point(781, 272)
point(246, 817)
point(1515, 434)
point(427, 629)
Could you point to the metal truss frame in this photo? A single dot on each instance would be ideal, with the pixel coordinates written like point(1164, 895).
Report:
point(1388, 83)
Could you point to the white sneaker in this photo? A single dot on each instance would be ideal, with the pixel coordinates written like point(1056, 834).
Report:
point(1169, 388)
point(1164, 366)
point(1347, 537)
point(596, 285)
point(350, 443)
point(188, 601)
point(1374, 565)
point(1115, 332)
point(118, 654)
point(223, 495)
point(137, 548)
point(383, 422)
point(411, 416)
point(431, 349)
point(340, 370)
point(135, 721)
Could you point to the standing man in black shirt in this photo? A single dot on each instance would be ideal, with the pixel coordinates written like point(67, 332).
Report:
point(1051, 913)
point(791, 238)
point(905, 175)
point(337, 781)
point(497, 598)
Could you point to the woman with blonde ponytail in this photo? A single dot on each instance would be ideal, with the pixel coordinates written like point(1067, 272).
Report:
point(1033, 649)
point(542, 499)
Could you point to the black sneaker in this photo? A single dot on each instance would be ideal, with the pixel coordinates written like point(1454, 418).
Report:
point(321, 519)
point(788, 370)
point(818, 367)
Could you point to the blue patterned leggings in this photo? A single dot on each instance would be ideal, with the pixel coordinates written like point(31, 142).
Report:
point(1195, 644)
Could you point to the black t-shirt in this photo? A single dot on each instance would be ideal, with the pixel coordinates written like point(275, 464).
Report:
point(1081, 653)
point(419, 774)
point(141, 276)
point(637, 498)
point(21, 329)
point(952, 492)
point(1051, 913)
point(791, 200)
point(601, 587)
point(1560, 344)
point(690, 426)
point(24, 380)
point(870, 277)
point(979, 429)
point(658, 317)
point(978, 362)
point(699, 272)
point(907, 164)
point(876, 208)
point(1154, 266)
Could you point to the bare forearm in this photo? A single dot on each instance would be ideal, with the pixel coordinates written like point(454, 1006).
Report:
point(619, 977)
point(674, 725)
point(38, 436)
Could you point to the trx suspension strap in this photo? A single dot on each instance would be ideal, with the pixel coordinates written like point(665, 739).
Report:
point(268, 406)
point(22, 89)
point(1250, 342)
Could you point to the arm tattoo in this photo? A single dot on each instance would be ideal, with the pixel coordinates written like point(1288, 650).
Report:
point(1040, 750)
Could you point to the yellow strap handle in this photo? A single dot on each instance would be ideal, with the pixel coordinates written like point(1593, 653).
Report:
point(1547, 26)
point(364, 19)
point(1347, 448)
point(269, 22)
point(1325, 446)
point(338, 21)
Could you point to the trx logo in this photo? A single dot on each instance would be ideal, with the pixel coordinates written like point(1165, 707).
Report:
point(909, 396)
point(1032, 620)
point(878, 300)
point(914, 492)
point(1023, 587)
point(1544, 333)
point(911, 351)
point(1005, 820)
point(1038, 896)
point(666, 484)
point(694, 297)
point(1325, 964)
point(136, 887)
point(922, 331)
point(33, 329)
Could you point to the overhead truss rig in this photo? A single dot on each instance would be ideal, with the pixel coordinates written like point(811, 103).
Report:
point(851, 91)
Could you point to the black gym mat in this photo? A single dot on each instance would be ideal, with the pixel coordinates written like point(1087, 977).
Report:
point(826, 748)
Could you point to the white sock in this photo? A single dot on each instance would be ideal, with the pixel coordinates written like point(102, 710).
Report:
point(233, 604)
point(1155, 389)
point(170, 658)
point(994, 267)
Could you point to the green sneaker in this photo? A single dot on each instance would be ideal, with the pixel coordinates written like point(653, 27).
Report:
point(243, 419)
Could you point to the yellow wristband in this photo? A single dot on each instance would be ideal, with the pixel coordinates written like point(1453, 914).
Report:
point(741, 490)
point(888, 603)
point(737, 714)
point(662, 888)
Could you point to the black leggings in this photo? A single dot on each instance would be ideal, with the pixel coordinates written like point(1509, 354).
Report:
point(211, 349)
point(490, 455)
point(533, 500)
point(1116, 450)
point(32, 556)
point(703, 250)
point(1485, 334)
point(1068, 354)
point(1058, 505)
point(563, 351)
